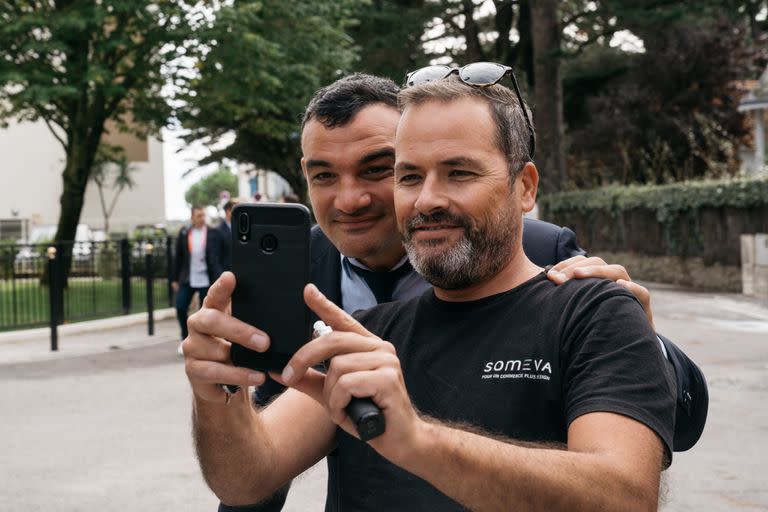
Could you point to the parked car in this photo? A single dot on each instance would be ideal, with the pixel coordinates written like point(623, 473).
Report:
point(31, 252)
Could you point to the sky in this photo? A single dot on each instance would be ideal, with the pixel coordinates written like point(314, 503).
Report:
point(178, 158)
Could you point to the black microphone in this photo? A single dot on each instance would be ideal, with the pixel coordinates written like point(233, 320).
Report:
point(366, 415)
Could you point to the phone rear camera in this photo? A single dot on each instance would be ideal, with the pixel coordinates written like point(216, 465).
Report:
point(269, 243)
point(243, 223)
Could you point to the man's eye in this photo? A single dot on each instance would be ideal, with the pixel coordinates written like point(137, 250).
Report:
point(322, 176)
point(378, 172)
point(458, 173)
point(407, 179)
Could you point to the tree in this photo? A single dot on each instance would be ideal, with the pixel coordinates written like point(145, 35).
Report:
point(265, 60)
point(207, 191)
point(77, 64)
point(389, 34)
point(111, 161)
point(548, 92)
point(673, 115)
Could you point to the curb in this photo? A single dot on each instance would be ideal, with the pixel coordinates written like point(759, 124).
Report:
point(87, 326)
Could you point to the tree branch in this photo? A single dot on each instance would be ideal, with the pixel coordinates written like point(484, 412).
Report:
point(577, 16)
point(41, 113)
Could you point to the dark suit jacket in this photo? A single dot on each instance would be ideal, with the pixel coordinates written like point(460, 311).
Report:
point(212, 261)
point(225, 245)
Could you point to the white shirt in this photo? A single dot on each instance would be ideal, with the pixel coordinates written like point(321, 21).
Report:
point(198, 269)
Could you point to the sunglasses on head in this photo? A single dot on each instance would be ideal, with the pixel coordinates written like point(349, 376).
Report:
point(477, 74)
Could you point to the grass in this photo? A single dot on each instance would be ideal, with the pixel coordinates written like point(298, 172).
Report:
point(25, 302)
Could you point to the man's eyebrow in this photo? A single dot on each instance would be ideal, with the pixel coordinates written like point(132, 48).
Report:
point(462, 161)
point(317, 163)
point(406, 166)
point(382, 153)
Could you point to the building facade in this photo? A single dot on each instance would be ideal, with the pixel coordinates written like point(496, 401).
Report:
point(31, 168)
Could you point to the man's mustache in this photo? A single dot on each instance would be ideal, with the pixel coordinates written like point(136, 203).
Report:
point(438, 217)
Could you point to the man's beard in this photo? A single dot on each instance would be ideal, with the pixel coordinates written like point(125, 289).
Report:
point(479, 254)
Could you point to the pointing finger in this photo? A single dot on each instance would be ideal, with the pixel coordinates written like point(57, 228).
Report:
point(330, 313)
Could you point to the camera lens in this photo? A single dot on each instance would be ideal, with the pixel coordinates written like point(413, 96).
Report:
point(269, 243)
point(243, 223)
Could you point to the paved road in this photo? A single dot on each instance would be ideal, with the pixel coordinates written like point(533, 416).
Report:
point(100, 428)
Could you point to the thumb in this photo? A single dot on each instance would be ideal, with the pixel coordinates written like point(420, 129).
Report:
point(220, 293)
point(311, 384)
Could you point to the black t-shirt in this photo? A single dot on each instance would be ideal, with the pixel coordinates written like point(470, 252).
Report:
point(523, 364)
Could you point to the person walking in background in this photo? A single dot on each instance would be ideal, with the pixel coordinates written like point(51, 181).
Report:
point(197, 264)
point(225, 236)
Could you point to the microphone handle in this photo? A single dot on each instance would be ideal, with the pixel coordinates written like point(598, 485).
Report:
point(367, 417)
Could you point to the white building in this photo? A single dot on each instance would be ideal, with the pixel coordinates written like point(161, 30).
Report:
point(31, 174)
point(269, 185)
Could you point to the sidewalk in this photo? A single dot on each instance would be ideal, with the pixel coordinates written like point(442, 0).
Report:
point(91, 337)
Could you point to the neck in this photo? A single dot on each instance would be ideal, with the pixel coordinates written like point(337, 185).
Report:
point(383, 262)
point(517, 271)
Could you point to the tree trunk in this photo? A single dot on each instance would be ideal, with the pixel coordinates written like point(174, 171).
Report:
point(522, 55)
point(81, 152)
point(474, 51)
point(548, 95)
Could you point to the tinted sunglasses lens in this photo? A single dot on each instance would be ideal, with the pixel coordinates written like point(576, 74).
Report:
point(427, 74)
point(482, 73)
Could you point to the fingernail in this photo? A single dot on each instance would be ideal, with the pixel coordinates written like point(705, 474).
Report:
point(557, 275)
point(287, 374)
point(259, 341)
point(255, 378)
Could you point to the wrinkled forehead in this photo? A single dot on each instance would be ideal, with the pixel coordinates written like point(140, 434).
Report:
point(432, 121)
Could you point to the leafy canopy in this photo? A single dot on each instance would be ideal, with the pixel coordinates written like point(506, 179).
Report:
point(206, 192)
point(265, 60)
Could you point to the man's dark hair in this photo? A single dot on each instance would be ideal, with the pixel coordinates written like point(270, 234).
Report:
point(230, 204)
point(336, 104)
point(196, 207)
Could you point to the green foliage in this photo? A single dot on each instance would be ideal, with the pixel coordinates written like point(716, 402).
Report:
point(265, 60)
point(672, 116)
point(76, 65)
point(666, 200)
point(388, 36)
point(206, 191)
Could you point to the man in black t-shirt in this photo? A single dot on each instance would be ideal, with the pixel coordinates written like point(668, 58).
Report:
point(500, 390)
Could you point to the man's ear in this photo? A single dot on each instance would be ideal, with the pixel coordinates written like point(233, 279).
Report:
point(529, 183)
point(304, 169)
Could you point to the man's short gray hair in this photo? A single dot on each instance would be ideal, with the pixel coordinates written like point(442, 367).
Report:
point(512, 135)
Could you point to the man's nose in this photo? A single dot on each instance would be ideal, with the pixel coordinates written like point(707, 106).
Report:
point(352, 196)
point(432, 196)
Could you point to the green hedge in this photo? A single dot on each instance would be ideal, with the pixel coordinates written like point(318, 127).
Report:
point(666, 200)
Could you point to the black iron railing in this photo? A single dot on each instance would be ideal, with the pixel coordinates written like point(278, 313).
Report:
point(105, 279)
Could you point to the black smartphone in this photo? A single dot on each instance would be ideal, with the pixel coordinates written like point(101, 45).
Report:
point(270, 260)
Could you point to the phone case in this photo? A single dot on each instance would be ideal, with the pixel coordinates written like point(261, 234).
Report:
point(270, 260)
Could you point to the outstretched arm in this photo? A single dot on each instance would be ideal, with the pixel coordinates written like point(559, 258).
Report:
point(245, 455)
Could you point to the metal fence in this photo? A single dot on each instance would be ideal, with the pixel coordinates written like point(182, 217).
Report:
point(106, 279)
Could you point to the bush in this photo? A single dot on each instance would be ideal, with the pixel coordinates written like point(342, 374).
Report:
point(687, 219)
point(665, 200)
